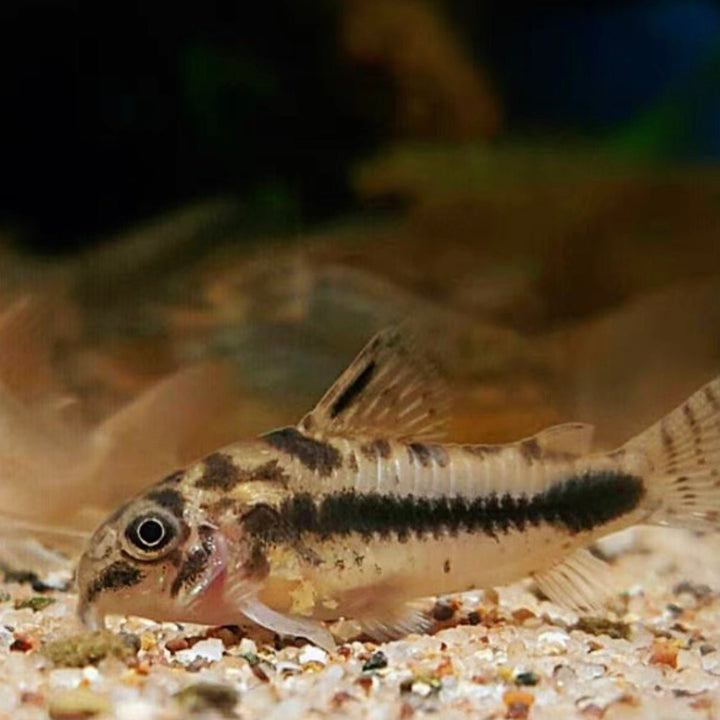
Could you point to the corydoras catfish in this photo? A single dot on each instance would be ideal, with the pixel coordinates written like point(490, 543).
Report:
point(359, 510)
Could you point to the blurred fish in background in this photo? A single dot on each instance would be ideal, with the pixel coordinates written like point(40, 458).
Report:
point(198, 236)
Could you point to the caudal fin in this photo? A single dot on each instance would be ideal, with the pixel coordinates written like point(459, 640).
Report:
point(683, 454)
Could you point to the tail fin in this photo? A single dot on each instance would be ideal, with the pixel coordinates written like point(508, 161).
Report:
point(683, 454)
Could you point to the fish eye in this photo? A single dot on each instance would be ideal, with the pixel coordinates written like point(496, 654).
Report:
point(150, 533)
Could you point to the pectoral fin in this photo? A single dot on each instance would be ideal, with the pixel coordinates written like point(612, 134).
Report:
point(283, 624)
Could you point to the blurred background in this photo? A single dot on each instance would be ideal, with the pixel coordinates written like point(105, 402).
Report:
point(207, 208)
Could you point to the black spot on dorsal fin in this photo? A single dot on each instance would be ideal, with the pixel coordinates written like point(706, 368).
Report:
point(346, 397)
point(392, 389)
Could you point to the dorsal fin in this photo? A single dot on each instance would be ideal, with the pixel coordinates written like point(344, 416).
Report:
point(390, 389)
point(572, 439)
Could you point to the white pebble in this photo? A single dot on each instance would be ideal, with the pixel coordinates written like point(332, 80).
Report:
point(687, 659)
point(619, 543)
point(57, 579)
point(421, 688)
point(65, 678)
point(133, 709)
point(516, 650)
point(711, 663)
point(247, 647)
point(484, 654)
point(589, 671)
point(286, 666)
point(553, 642)
point(91, 674)
point(310, 653)
point(6, 637)
point(693, 681)
point(8, 700)
point(635, 591)
point(210, 649)
point(333, 673)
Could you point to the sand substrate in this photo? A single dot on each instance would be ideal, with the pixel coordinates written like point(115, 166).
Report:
point(504, 654)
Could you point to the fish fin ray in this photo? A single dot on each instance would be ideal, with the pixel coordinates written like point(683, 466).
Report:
point(410, 617)
point(580, 582)
point(290, 625)
point(392, 388)
point(681, 453)
point(567, 439)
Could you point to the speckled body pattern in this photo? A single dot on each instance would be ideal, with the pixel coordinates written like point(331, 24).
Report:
point(329, 520)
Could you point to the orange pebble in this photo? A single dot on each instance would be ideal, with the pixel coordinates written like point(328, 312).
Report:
point(522, 614)
point(663, 654)
point(517, 704)
point(445, 667)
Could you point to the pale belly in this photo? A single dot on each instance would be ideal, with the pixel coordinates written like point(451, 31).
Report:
point(357, 577)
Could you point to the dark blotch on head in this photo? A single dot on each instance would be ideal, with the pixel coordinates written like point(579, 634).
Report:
point(191, 568)
point(219, 473)
point(118, 575)
point(170, 499)
point(350, 393)
point(195, 561)
point(320, 457)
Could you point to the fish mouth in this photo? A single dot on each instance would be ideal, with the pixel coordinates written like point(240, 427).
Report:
point(90, 615)
point(211, 580)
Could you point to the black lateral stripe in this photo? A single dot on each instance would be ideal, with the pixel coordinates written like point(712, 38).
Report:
point(318, 456)
point(577, 504)
point(348, 395)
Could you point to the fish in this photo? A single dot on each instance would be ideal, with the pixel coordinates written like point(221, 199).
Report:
point(362, 509)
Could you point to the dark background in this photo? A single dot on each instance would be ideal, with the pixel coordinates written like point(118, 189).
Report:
point(115, 111)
